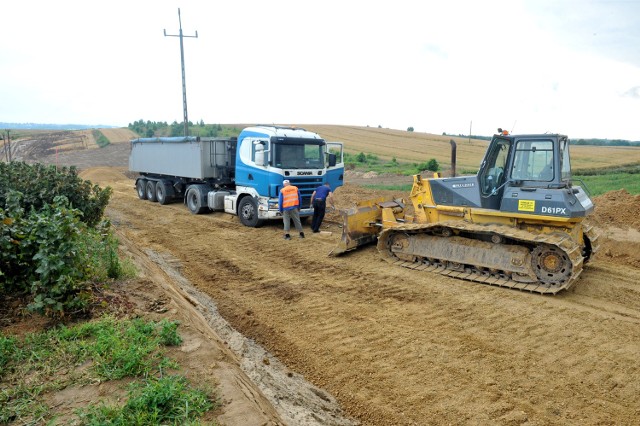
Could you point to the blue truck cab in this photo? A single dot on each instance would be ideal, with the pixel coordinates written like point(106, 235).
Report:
point(267, 155)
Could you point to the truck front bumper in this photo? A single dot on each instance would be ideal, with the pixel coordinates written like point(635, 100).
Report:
point(271, 214)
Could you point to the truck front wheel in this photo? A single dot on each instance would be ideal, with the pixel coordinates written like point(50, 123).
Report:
point(141, 188)
point(196, 199)
point(248, 212)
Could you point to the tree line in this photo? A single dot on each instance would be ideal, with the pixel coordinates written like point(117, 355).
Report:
point(150, 129)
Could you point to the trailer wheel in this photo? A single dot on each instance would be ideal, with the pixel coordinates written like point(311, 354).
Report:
point(196, 199)
point(164, 192)
point(248, 212)
point(141, 188)
point(151, 191)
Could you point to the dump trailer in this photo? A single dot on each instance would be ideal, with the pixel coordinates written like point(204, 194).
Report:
point(239, 175)
point(518, 223)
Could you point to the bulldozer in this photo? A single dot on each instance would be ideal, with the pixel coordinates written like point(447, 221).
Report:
point(518, 223)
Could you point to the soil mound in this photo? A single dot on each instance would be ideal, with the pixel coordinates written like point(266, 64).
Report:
point(617, 208)
point(616, 217)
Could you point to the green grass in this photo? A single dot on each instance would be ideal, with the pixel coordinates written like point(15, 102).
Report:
point(101, 247)
point(167, 400)
point(599, 184)
point(404, 187)
point(371, 162)
point(101, 139)
point(112, 349)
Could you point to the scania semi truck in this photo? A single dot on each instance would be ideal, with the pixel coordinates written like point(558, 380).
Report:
point(239, 175)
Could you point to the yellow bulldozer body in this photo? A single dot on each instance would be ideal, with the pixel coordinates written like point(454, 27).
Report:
point(416, 240)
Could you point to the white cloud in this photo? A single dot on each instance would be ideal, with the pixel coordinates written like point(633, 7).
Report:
point(433, 66)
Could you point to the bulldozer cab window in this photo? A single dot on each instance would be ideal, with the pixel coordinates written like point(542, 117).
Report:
point(492, 174)
point(533, 160)
point(565, 162)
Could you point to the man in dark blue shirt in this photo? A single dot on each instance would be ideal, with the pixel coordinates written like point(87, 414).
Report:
point(319, 203)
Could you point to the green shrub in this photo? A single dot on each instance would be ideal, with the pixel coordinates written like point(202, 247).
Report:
point(53, 241)
point(432, 165)
point(40, 184)
point(42, 255)
point(169, 333)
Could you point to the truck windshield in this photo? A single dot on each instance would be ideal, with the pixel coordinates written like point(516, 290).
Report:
point(298, 156)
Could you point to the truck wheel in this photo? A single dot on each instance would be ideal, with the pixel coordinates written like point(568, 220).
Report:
point(248, 212)
point(141, 188)
point(196, 199)
point(164, 192)
point(151, 191)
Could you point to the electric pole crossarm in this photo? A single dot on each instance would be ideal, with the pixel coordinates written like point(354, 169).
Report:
point(177, 35)
point(184, 85)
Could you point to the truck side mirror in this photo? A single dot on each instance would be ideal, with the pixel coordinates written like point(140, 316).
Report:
point(259, 157)
point(332, 160)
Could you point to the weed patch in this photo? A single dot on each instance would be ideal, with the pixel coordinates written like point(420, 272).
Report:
point(109, 349)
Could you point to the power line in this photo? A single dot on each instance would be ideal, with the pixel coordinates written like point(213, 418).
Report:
point(184, 85)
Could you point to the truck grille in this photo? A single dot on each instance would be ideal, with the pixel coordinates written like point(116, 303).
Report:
point(306, 185)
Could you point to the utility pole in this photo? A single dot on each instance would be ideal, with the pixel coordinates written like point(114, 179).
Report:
point(7, 146)
point(184, 85)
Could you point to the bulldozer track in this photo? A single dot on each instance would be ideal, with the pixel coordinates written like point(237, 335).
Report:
point(594, 239)
point(503, 278)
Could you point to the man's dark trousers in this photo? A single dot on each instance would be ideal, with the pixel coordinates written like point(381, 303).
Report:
point(319, 207)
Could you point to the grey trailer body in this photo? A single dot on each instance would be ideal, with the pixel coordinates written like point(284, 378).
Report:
point(190, 158)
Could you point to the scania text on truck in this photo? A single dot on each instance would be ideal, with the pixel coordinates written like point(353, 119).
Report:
point(241, 176)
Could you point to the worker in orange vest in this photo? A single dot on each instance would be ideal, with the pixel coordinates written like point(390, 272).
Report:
point(289, 206)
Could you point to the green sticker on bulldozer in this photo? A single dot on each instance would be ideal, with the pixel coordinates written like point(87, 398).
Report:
point(527, 205)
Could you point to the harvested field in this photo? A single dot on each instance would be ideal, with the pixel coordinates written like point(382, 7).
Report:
point(420, 147)
point(395, 346)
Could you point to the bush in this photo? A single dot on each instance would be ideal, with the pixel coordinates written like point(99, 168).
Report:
point(53, 241)
point(52, 256)
point(431, 165)
point(40, 184)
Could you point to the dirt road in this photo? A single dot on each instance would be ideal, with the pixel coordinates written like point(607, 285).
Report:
point(395, 346)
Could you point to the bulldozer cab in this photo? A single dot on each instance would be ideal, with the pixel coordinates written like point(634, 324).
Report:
point(492, 172)
point(526, 161)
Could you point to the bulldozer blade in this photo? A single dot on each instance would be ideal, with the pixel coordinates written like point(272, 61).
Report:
point(362, 224)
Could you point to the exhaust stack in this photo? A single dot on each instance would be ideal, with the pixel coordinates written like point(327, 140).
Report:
point(453, 157)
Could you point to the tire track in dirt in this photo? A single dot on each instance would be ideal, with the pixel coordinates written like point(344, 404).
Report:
point(611, 291)
point(397, 346)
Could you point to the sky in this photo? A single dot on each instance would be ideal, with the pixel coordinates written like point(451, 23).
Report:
point(455, 66)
